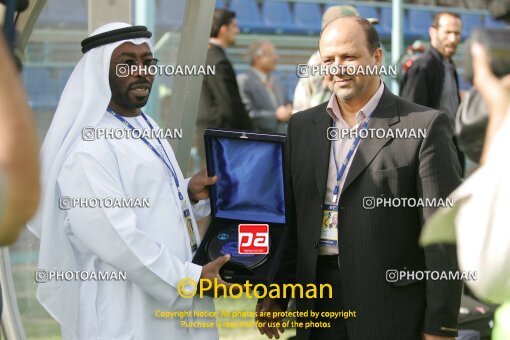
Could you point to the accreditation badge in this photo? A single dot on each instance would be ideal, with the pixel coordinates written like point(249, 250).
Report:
point(189, 228)
point(329, 229)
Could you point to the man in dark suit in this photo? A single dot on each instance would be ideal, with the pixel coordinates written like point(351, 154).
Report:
point(262, 93)
point(220, 103)
point(368, 242)
point(432, 80)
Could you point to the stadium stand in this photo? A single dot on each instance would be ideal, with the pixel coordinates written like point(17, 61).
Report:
point(470, 21)
point(40, 87)
point(418, 23)
point(64, 14)
point(385, 21)
point(490, 22)
point(292, 25)
point(248, 16)
point(170, 14)
point(62, 78)
point(367, 11)
point(308, 17)
point(277, 17)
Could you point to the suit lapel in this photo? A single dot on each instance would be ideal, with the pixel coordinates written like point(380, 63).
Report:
point(321, 148)
point(259, 87)
point(385, 115)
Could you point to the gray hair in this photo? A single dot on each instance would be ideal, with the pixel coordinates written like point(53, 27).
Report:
point(255, 50)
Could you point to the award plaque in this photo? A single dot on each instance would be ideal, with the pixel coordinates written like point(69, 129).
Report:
point(226, 242)
point(250, 191)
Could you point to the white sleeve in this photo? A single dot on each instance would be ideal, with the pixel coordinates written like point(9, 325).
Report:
point(115, 236)
point(483, 236)
point(302, 95)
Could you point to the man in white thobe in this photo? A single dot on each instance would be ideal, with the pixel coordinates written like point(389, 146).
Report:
point(153, 245)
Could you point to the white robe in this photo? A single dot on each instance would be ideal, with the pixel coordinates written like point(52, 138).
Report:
point(150, 244)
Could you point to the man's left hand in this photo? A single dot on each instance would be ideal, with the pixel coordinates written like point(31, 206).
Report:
point(436, 337)
point(197, 186)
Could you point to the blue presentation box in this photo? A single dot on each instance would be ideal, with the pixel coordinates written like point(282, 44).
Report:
point(250, 191)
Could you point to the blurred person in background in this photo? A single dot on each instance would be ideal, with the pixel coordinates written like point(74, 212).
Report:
point(19, 164)
point(262, 93)
point(479, 220)
point(432, 79)
point(220, 103)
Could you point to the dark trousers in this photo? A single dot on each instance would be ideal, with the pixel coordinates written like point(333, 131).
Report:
point(327, 273)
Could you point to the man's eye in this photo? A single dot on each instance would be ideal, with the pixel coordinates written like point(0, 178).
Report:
point(130, 62)
point(150, 62)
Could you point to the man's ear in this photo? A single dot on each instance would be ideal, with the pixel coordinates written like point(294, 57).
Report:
point(378, 56)
point(432, 32)
point(222, 30)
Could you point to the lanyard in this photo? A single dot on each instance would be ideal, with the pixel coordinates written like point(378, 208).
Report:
point(341, 173)
point(169, 164)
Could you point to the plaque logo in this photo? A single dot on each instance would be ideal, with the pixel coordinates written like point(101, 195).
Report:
point(223, 236)
point(253, 238)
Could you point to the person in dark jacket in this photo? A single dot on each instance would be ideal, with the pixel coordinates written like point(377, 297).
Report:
point(432, 79)
point(220, 103)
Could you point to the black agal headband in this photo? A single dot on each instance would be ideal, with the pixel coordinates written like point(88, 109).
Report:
point(126, 33)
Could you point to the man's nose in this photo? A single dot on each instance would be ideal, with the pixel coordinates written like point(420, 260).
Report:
point(452, 37)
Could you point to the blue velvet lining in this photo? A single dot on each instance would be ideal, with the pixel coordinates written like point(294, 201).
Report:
point(250, 179)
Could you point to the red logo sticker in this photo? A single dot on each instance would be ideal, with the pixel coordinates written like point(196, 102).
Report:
point(253, 238)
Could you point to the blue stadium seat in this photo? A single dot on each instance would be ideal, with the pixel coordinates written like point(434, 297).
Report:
point(289, 81)
point(276, 17)
point(64, 13)
point(418, 23)
point(367, 12)
point(385, 22)
point(170, 14)
point(292, 80)
point(40, 87)
point(470, 21)
point(248, 16)
point(491, 23)
point(62, 78)
point(307, 16)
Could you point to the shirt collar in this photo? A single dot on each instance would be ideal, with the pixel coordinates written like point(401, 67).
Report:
point(263, 77)
point(438, 55)
point(214, 42)
point(335, 112)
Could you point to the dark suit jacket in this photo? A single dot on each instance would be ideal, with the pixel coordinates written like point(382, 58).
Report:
point(220, 102)
point(374, 241)
point(423, 82)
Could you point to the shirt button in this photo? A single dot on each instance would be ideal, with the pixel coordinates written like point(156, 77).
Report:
point(316, 244)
